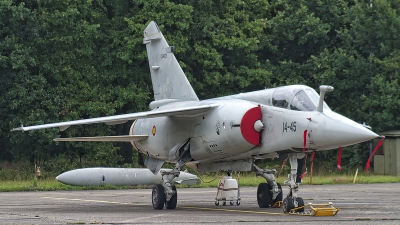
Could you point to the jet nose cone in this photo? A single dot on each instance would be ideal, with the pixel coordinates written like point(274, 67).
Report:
point(355, 133)
point(338, 131)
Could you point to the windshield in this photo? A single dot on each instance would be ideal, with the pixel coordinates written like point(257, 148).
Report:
point(282, 96)
point(296, 97)
point(302, 102)
point(315, 97)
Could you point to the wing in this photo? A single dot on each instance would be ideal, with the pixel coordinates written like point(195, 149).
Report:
point(124, 138)
point(118, 119)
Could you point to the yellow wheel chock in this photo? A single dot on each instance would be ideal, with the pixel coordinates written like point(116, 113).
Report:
point(317, 210)
point(277, 204)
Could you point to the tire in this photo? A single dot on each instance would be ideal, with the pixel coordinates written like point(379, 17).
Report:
point(299, 202)
point(158, 196)
point(280, 195)
point(173, 201)
point(264, 196)
point(288, 205)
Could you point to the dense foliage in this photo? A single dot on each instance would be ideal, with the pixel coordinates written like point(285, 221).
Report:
point(76, 59)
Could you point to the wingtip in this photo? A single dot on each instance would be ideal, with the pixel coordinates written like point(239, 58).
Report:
point(18, 129)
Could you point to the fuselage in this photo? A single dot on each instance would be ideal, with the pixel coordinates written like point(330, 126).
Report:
point(231, 131)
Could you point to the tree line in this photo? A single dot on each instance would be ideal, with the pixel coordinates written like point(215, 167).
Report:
point(77, 59)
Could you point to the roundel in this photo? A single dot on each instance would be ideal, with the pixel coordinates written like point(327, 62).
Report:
point(247, 126)
point(153, 131)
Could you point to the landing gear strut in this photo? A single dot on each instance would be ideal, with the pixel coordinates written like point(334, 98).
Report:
point(292, 201)
point(268, 193)
point(166, 193)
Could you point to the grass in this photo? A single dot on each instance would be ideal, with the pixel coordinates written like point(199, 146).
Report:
point(247, 179)
point(362, 178)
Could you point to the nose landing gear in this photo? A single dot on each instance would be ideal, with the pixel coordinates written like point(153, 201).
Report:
point(295, 205)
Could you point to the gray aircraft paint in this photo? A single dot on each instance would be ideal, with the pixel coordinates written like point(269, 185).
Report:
point(169, 81)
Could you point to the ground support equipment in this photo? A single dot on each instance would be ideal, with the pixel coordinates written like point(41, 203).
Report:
point(228, 190)
point(315, 210)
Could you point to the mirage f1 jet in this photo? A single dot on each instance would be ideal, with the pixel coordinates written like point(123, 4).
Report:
point(227, 133)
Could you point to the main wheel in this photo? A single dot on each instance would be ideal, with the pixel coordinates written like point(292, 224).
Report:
point(264, 196)
point(158, 196)
point(174, 199)
point(288, 205)
point(280, 195)
point(299, 203)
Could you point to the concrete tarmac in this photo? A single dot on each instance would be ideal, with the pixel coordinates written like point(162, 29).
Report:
point(358, 203)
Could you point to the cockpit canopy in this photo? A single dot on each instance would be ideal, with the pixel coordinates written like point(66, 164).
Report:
point(296, 97)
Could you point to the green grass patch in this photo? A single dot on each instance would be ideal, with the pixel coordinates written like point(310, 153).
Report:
point(53, 185)
point(251, 180)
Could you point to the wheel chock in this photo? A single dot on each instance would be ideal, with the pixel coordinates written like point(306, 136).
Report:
point(316, 210)
point(277, 204)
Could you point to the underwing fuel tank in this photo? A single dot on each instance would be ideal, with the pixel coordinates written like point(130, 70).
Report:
point(119, 176)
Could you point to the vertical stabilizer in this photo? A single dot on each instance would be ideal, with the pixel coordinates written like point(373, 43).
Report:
point(169, 81)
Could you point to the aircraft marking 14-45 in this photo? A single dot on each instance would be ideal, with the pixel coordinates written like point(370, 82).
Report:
point(289, 126)
point(227, 133)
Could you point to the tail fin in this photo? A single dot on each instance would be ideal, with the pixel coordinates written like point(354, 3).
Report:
point(169, 81)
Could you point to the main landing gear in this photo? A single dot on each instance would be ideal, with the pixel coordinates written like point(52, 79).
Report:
point(159, 197)
point(292, 201)
point(165, 193)
point(268, 194)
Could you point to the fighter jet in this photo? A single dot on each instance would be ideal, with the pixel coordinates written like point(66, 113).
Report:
point(225, 134)
point(120, 176)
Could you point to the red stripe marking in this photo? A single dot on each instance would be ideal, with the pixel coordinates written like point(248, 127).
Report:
point(339, 158)
point(373, 153)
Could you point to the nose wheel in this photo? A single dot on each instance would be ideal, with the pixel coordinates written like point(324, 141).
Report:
point(287, 204)
point(290, 203)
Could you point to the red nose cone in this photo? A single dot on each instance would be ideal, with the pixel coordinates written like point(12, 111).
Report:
point(247, 125)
